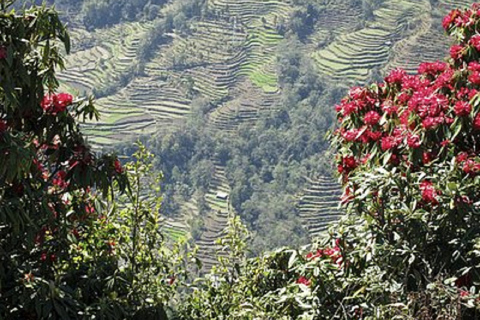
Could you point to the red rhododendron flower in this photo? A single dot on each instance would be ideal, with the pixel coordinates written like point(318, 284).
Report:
point(463, 156)
point(118, 166)
point(365, 158)
point(313, 256)
point(475, 41)
point(304, 281)
point(471, 167)
point(350, 135)
point(456, 52)
point(347, 196)
point(89, 209)
point(47, 102)
point(476, 122)
point(413, 141)
point(449, 19)
point(474, 78)
point(396, 76)
point(429, 194)
point(462, 108)
point(464, 293)
point(390, 142)
point(43, 256)
point(61, 101)
point(445, 80)
point(462, 20)
point(374, 135)
point(432, 123)
point(349, 162)
point(427, 157)
point(59, 180)
point(55, 103)
point(371, 118)
point(432, 68)
point(334, 253)
point(389, 108)
point(474, 66)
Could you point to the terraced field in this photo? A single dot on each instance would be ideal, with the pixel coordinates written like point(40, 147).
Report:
point(175, 229)
point(318, 204)
point(106, 55)
point(216, 219)
point(353, 55)
point(426, 44)
point(228, 56)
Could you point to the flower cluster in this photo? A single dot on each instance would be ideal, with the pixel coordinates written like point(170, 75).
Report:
point(56, 103)
point(429, 193)
point(416, 119)
point(334, 254)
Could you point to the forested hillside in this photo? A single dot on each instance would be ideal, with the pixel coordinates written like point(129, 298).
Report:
point(235, 97)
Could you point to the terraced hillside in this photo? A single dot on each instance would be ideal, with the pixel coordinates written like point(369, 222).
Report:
point(354, 54)
point(229, 56)
point(425, 44)
point(318, 204)
point(216, 219)
point(102, 56)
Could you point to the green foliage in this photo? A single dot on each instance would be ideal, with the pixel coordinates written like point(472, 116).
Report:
point(97, 14)
point(69, 247)
point(150, 271)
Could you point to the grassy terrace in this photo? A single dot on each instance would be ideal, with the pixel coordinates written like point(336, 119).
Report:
point(353, 55)
point(318, 204)
point(250, 101)
point(175, 229)
point(216, 219)
point(112, 53)
point(425, 43)
point(141, 107)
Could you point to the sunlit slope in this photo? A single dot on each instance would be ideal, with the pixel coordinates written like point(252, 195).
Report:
point(318, 204)
point(227, 56)
point(104, 56)
point(427, 43)
point(216, 219)
point(354, 53)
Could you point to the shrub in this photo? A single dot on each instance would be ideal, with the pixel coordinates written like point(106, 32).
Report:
point(66, 251)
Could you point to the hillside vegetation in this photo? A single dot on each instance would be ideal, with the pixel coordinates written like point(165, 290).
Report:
point(88, 234)
point(242, 88)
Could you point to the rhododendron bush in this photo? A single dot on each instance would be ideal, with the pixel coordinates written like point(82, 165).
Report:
point(409, 159)
point(63, 254)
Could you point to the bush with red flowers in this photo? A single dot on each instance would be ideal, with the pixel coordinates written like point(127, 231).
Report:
point(418, 191)
point(63, 252)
